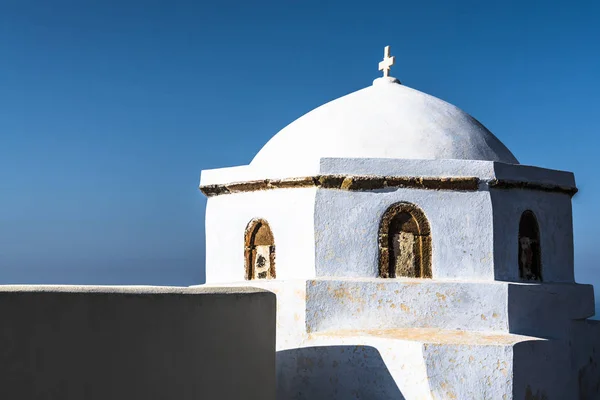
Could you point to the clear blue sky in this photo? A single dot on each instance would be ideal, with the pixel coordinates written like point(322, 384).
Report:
point(109, 110)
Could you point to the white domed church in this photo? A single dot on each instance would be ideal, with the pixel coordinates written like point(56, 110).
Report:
point(412, 256)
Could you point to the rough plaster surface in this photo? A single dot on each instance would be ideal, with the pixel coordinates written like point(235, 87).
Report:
point(341, 304)
point(374, 338)
point(442, 364)
point(385, 120)
point(585, 349)
point(136, 343)
point(407, 303)
point(543, 370)
point(347, 225)
point(399, 364)
point(554, 216)
point(546, 310)
point(342, 333)
point(543, 310)
point(476, 240)
point(468, 371)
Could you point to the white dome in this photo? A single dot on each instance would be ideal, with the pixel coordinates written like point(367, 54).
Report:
point(386, 120)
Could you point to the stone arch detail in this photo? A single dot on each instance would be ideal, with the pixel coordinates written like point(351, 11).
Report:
point(530, 254)
point(404, 242)
point(259, 250)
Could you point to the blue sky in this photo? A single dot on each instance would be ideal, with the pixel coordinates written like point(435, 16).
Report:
point(109, 111)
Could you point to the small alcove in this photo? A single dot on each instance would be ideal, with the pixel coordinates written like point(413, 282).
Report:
point(530, 260)
point(404, 243)
point(259, 250)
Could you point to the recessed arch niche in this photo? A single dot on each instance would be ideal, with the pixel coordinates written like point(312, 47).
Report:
point(259, 250)
point(404, 242)
point(530, 257)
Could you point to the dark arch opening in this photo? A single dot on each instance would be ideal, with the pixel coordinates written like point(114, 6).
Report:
point(530, 259)
point(404, 242)
point(259, 250)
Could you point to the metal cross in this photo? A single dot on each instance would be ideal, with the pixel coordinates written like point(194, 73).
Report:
point(387, 62)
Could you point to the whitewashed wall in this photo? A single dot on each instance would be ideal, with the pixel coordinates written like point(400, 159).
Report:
point(331, 232)
point(347, 226)
point(554, 215)
point(290, 214)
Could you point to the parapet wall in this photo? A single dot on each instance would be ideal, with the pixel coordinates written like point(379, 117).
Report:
point(59, 342)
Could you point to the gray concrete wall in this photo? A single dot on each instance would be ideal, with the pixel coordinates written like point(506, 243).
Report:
point(136, 343)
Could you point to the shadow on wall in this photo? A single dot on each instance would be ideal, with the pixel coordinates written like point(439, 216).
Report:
point(334, 372)
point(542, 369)
point(533, 311)
point(565, 362)
point(547, 310)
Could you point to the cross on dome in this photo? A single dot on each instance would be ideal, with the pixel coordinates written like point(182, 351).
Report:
point(387, 62)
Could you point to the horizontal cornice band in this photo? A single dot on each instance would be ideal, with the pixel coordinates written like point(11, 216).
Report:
point(370, 182)
point(544, 187)
point(345, 182)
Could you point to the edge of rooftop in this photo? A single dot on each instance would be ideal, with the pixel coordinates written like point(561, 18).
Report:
point(494, 173)
point(130, 289)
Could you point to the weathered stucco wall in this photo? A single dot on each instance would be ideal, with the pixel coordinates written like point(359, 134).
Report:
point(465, 371)
point(586, 358)
point(546, 309)
point(332, 232)
point(347, 225)
point(553, 212)
point(289, 213)
point(401, 364)
point(543, 370)
point(136, 343)
point(344, 333)
point(543, 310)
point(404, 303)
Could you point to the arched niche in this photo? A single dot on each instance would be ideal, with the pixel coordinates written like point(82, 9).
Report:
point(259, 250)
point(404, 242)
point(530, 257)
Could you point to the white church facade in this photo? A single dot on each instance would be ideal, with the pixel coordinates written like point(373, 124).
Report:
point(412, 255)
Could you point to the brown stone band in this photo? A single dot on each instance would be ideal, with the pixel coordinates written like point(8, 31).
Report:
point(544, 187)
point(345, 182)
point(371, 182)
